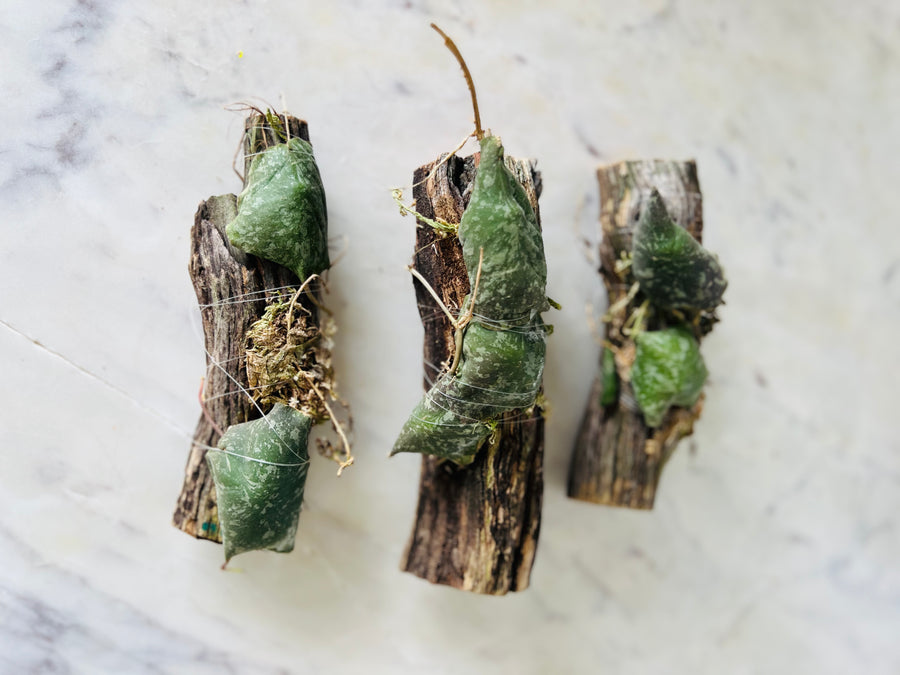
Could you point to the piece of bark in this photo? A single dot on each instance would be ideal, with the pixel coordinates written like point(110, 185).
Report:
point(233, 289)
point(477, 526)
point(617, 459)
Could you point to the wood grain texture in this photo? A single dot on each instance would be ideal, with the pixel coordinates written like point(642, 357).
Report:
point(617, 459)
point(476, 527)
point(233, 289)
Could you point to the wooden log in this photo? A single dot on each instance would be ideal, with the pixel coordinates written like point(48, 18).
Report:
point(476, 527)
point(233, 289)
point(617, 459)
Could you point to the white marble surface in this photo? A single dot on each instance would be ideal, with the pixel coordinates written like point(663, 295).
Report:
point(774, 547)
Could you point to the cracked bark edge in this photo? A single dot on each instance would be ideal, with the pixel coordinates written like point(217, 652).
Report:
point(476, 527)
point(219, 271)
point(617, 459)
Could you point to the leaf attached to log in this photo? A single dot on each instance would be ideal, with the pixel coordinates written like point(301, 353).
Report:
point(609, 378)
point(260, 472)
point(500, 221)
point(673, 268)
point(668, 370)
point(281, 213)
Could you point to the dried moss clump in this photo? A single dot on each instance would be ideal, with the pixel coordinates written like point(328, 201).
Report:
point(289, 362)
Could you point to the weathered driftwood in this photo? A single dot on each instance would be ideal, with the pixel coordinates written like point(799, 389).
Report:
point(617, 459)
point(476, 527)
point(233, 289)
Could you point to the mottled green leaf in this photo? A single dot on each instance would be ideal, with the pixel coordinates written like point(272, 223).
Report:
point(500, 371)
point(259, 475)
point(668, 370)
point(674, 270)
point(499, 219)
point(281, 213)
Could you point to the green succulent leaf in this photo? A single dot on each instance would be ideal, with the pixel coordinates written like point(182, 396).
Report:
point(499, 219)
point(668, 370)
point(609, 377)
point(500, 371)
point(260, 475)
point(281, 213)
point(674, 270)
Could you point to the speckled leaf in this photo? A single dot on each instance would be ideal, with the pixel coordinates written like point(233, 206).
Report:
point(668, 370)
point(674, 270)
point(500, 371)
point(504, 346)
point(499, 218)
point(281, 213)
point(260, 479)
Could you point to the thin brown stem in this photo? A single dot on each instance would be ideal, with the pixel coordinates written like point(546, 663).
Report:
point(479, 132)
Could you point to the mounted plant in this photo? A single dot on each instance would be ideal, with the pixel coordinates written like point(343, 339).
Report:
point(257, 262)
point(480, 282)
point(663, 288)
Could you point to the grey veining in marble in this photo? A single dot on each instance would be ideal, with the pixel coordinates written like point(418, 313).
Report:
point(775, 544)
